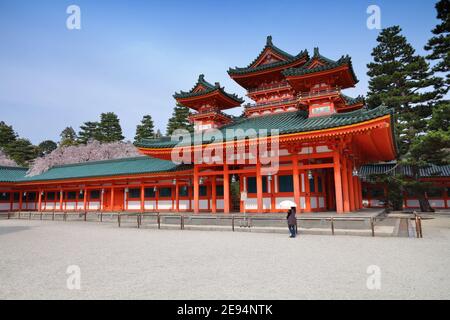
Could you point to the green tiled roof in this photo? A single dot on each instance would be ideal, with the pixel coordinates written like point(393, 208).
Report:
point(286, 122)
point(128, 166)
point(269, 45)
point(428, 171)
point(351, 101)
point(11, 174)
point(208, 89)
point(328, 65)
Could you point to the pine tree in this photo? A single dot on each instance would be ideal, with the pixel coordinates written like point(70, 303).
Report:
point(46, 147)
point(68, 137)
point(109, 129)
point(89, 131)
point(402, 80)
point(21, 151)
point(146, 129)
point(179, 120)
point(439, 45)
point(7, 134)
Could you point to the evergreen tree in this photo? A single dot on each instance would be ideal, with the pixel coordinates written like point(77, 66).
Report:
point(439, 44)
point(21, 151)
point(109, 129)
point(402, 80)
point(68, 137)
point(145, 130)
point(46, 147)
point(7, 134)
point(89, 131)
point(179, 120)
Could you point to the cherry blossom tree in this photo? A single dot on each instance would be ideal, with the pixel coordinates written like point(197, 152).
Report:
point(92, 151)
point(5, 161)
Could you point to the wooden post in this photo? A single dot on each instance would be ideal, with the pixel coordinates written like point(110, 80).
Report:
point(39, 200)
point(338, 182)
point(61, 197)
point(372, 226)
point(308, 192)
point(351, 186)
point(142, 198)
point(226, 189)
point(196, 190)
point(85, 200)
point(345, 183)
point(112, 199)
point(177, 196)
point(259, 187)
point(20, 200)
point(213, 195)
point(296, 181)
point(332, 226)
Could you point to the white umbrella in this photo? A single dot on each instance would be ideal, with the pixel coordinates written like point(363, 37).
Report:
point(287, 204)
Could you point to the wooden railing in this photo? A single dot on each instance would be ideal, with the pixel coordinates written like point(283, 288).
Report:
point(231, 220)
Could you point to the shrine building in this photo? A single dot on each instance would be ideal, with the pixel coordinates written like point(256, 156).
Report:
point(300, 141)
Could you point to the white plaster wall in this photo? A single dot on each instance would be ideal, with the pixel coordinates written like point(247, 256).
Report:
point(321, 202)
point(437, 203)
point(4, 206)
point(94, 205)
point(184, 204)
point(165, 205)
point(150, 205)
point(71, 205)
point(313, 202)
point(412, 203)
point(134, 205)
point(203, 204)
point(219, 204)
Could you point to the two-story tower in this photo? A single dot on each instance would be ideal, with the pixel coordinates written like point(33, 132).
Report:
point(208, 101)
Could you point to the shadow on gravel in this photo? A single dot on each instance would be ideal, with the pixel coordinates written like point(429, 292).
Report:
point(6, 230)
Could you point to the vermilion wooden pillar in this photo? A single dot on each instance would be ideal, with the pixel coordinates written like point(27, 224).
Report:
point(345, 184)
point(142, 198)
point(61, 197)
point(226, 189)
point(213, 195)
point(112, 199)
point(358, 193)
point(39, 200)
point(338, 182)
point(177, 197)
point(85, 199)
point(307, 192)
point(259, 187)
point(20, 200)
point(351, 185)
point(196, 190)
point(296, 180)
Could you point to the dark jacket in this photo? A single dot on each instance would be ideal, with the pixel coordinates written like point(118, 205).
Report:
point(291, 218)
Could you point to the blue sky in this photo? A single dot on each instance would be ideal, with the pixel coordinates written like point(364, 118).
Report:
point(131, 56)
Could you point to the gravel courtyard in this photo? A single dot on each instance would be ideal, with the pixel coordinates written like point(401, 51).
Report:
point(129, 263)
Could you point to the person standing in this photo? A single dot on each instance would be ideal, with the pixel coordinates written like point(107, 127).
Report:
point(292, 221)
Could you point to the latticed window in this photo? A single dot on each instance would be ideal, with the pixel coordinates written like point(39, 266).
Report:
point(165, 192)
point(149, 192)
point(4, 196)
point(95, 194)
point(134, 193)
point(285, 184)
point(251, 184)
